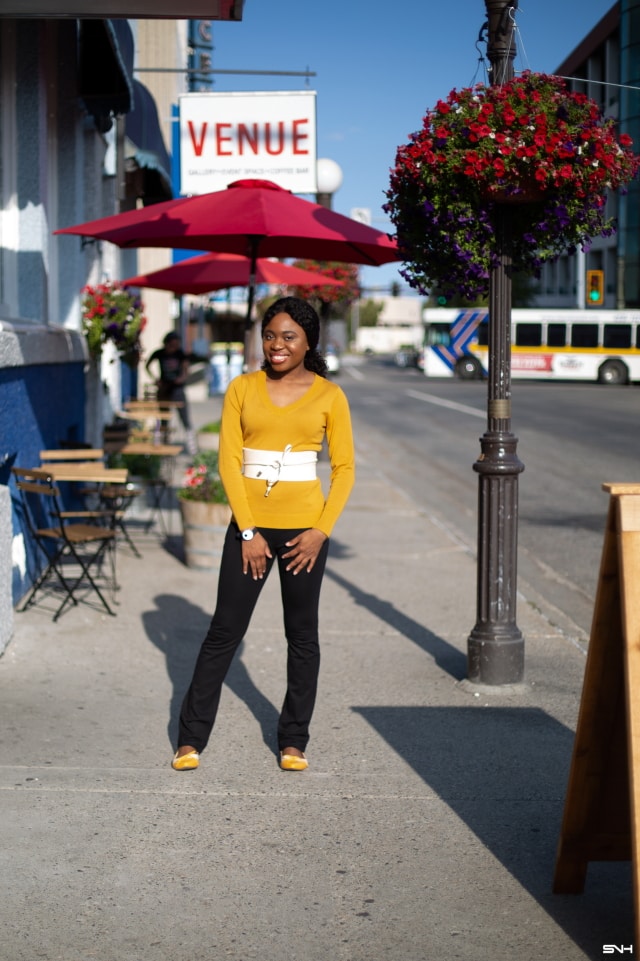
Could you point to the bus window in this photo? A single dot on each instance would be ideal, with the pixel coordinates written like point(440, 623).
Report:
point(528, 335)
point(617, 336)
point(437, 334)
point(482, 333)
point(556, 335)
point(584, 335)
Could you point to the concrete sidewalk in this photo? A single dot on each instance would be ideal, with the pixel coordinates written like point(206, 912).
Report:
point(424, 830)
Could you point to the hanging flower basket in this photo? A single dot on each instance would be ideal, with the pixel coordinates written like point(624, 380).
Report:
point(113, 313)
point(531, 143)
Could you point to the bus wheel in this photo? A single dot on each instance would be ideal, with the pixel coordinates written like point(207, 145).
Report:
point(613, 372)
point(469, 368)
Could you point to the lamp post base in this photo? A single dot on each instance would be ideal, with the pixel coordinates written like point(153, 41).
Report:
point(495, 660)
point(495, 649)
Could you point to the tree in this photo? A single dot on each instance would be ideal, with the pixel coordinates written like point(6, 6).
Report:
point(370, 310)
point(339, 298)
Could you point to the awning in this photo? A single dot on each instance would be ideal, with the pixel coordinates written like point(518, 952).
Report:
point(103, 79)
point(134, 9)
point(142, 129)
point(145, 148)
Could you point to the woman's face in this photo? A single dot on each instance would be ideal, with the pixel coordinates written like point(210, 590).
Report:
point(284, 344)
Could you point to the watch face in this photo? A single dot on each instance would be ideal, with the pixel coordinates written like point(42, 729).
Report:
point(247, 535)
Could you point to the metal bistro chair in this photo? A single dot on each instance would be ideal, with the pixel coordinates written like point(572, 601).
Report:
point(112, 499)
point(83, 542)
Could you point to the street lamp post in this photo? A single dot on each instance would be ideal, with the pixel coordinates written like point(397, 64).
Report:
point(328, 180)
point(496, 645)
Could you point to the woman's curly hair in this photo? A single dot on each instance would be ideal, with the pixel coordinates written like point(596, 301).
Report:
point(305, 316)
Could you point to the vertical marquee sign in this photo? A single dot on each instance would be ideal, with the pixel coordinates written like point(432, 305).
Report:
point(236, 136)
point(200, 55)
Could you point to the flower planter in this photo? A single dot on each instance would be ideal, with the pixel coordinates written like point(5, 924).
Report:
point(208, 440)
point(204, 527)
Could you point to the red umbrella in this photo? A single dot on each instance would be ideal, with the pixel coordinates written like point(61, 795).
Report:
point(255, 218)
point(199, 275)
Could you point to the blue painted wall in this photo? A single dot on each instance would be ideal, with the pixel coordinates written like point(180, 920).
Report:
point(41, 406)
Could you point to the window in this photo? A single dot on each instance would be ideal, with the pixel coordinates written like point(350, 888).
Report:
point(617, 336)
point(438, 334)
point(482, 334)
point(584, 335)
point(556, 335)
point(528, 335)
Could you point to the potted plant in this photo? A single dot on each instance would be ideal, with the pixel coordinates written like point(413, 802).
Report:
point(209, 436)
point(113, 313)
point(205, 512)
point(531, 143)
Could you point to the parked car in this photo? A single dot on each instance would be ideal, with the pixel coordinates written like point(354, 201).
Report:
point(407, 356)
point(332, 358)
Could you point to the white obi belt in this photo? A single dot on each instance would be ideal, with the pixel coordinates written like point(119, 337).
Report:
point(272, 466)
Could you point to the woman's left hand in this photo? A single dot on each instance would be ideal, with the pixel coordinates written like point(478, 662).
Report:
point(304, 550)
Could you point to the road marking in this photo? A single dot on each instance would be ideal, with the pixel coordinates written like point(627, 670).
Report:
point(439, 402)
point(354, 372)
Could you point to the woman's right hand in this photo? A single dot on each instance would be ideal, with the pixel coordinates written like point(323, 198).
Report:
point(255, 554)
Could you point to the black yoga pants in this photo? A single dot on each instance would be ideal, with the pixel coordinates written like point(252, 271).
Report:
point(237, 597)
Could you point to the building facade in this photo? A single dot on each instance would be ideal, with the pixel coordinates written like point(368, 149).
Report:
point(606, 67)
point(79, 139)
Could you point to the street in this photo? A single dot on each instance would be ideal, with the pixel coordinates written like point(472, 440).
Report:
point(572, 439)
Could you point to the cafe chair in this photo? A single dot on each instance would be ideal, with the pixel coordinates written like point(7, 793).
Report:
point(118, 498)
point(66, 539)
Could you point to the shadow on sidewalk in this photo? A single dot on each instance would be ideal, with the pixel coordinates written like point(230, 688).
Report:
point(445, 655)
point(177, 628)
point(503, 771)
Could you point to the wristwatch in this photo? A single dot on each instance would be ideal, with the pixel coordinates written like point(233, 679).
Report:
point(249, 534)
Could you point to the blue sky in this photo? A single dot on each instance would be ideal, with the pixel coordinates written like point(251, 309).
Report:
point(379, 67)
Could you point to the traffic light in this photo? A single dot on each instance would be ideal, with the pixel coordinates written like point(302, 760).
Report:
point(595, 288)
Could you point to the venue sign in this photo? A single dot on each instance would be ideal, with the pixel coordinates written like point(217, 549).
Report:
point(237, 136)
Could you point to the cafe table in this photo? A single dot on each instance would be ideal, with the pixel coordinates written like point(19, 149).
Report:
point(94, 472)
point(167, 454)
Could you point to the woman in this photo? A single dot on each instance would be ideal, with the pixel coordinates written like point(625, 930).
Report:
point(274, 422)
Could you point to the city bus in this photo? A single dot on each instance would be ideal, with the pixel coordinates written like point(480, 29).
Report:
point(591, 345)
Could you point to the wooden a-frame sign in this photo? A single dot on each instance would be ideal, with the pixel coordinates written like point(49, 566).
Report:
point(601, 819)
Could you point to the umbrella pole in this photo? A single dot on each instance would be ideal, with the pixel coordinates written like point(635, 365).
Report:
point(248, 324)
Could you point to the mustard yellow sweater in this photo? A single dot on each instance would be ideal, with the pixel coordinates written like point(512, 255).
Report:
point(250, 419)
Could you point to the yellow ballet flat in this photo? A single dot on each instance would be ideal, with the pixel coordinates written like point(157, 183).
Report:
point(188, 762)
point(291, 762)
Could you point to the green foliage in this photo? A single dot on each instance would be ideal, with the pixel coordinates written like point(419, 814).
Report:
point(138, 465)
point(212, 428)
point(370, 310)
